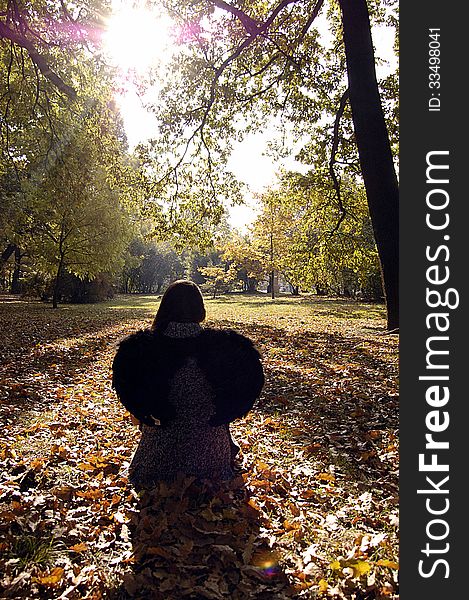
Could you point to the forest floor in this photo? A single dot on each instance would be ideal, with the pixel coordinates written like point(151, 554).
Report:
point(313, 512)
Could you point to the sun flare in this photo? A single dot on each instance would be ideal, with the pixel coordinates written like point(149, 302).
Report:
point(138, 38)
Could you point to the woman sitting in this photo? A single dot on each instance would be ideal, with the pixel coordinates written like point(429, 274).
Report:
point(185, 384)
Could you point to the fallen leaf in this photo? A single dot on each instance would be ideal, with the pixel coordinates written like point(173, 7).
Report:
point(81, 547)
point(52, 578)
point(387, 563)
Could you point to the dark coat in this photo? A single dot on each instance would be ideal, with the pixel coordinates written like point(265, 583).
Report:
point(146, 362)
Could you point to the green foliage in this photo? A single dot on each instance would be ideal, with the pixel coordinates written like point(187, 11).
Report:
point(74, 215)
point(240, 251)
point(218, 278)
point(301, 234)
point(196, 258)
point(65, 189)
point(150, 266)
point(224, 81)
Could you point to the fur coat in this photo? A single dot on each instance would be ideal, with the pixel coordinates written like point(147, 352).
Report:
point(146, 362)
point(185, 386)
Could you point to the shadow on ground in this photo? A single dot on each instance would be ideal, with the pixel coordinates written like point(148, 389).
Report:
point(42, 350)
point(334, 395)
point(193, 540)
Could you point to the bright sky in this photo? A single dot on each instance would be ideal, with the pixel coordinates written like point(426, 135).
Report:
point(133, 46)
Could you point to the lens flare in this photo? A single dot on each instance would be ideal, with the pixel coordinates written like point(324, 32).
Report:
point(138, 38)
point(266, 560)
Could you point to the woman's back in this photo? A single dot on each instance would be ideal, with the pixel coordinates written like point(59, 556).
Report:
point(188, 443)
point(185, 384)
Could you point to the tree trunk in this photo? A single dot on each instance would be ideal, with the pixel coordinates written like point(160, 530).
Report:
point(374, 149)
point(271, 285)
point(252, 285)
point(320, 291)
point(58, 280)
point(6, 255)
point(15, 282)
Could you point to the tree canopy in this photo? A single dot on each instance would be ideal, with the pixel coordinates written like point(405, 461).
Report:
point(63, 192)
point(233, 67)
point(263, 59)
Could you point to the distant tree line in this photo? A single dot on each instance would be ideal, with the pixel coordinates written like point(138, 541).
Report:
point(293, 245)
point(82, 218)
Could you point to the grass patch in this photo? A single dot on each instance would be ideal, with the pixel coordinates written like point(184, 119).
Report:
point(29, 550)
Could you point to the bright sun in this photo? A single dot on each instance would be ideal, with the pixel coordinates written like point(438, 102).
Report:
point(137, 38)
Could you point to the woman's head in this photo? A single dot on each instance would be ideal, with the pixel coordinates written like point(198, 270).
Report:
point(182, 303)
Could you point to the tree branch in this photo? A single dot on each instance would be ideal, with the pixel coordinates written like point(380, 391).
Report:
point(251, 25)
point(332, 160)
point(254, 30)
point(310, 20)
point(38, 60)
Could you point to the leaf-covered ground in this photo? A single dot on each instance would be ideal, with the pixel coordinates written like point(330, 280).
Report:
point(313, 512)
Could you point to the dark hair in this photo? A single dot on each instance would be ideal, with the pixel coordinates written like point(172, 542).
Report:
point(182, 302)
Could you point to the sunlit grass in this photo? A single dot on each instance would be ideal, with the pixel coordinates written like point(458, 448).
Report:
point(137, 303)
point(257, 305)
point(31, 550)
point(305, 311)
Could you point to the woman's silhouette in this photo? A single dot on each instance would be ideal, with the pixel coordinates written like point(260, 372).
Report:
point(185, 384)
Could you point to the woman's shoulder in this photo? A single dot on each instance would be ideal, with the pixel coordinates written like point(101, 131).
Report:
point(150, 346)
point(138, 338)
point(226, 337)
point(140, 343)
